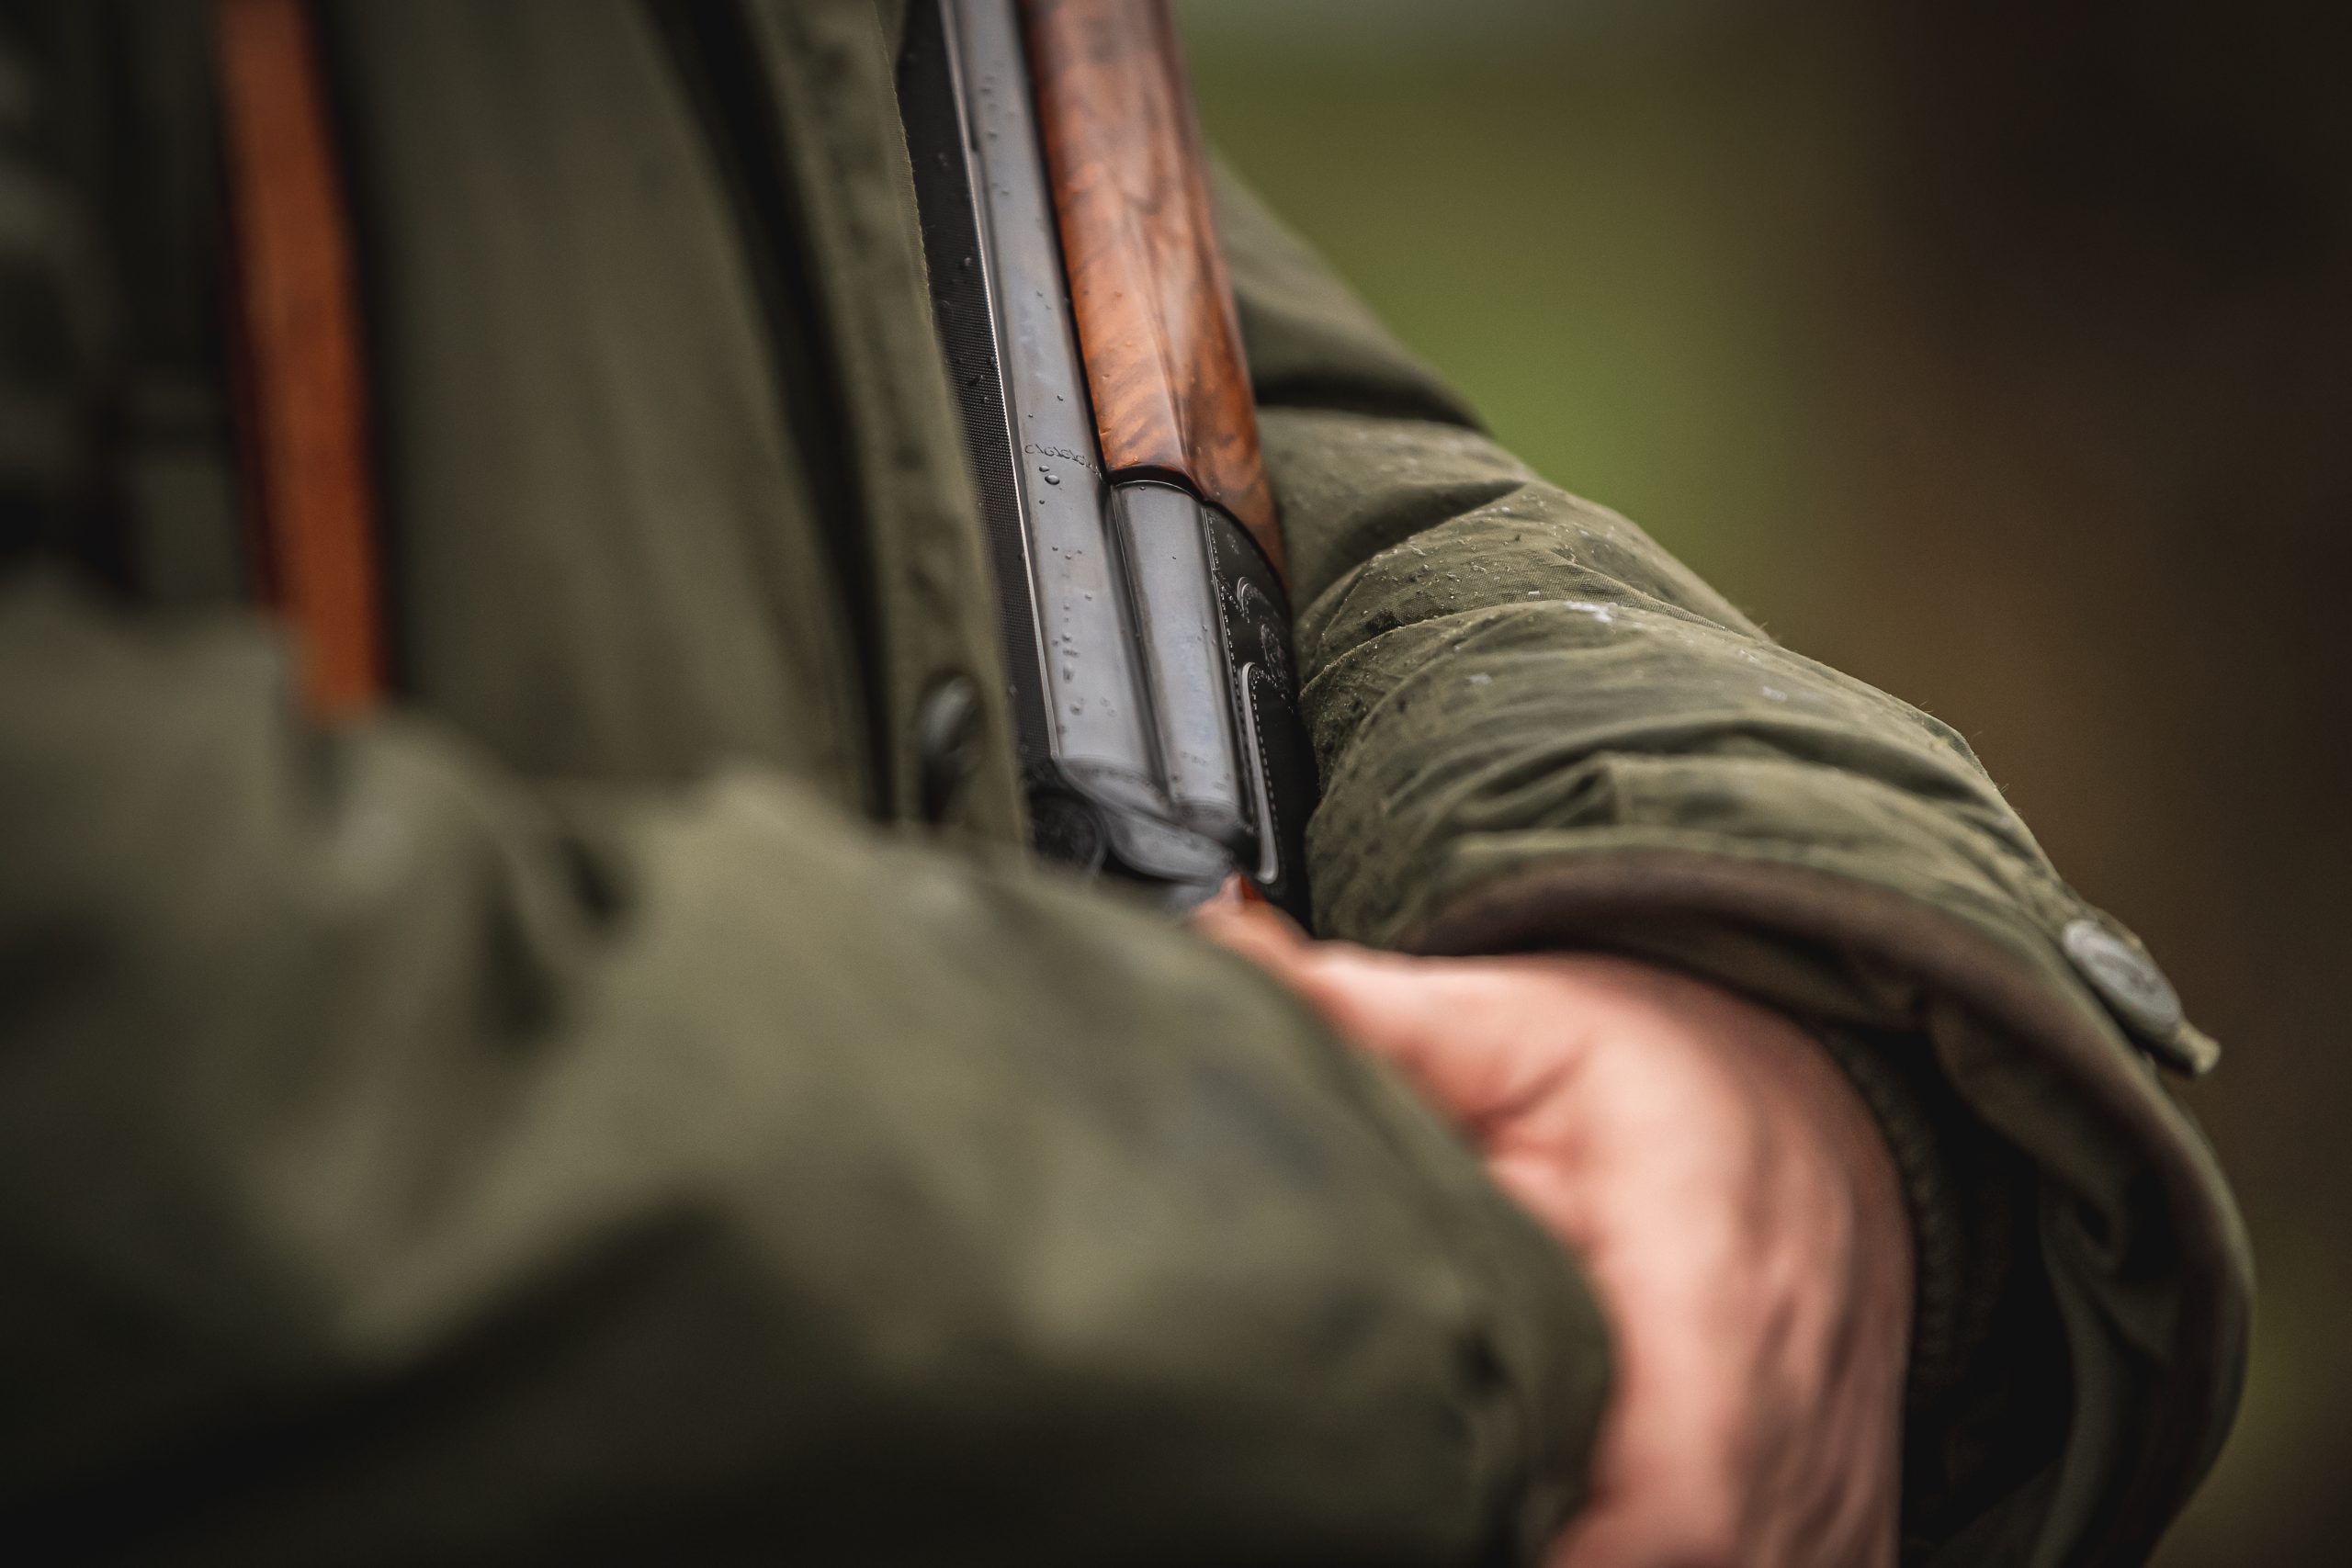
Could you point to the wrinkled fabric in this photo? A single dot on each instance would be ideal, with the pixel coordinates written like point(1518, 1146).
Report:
point(400, 1163)
point(1536, 730)
point(577, 1117)
point(573, 1118)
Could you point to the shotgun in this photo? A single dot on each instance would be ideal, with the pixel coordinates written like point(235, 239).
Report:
point(1083, 303)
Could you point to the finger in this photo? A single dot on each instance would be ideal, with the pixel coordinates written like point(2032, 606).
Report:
point(1233, 890)
point(1644, 1537)
point(1235, 901)
point(1482, 1040)
point(1667, 1479)
point(1256, 931)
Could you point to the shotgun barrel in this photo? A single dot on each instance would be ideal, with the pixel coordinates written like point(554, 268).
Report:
point(1082, 304)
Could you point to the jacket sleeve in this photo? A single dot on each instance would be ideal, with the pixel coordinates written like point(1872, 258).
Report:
point(393, 1157)
point(1535, 728)
point(400, 1163)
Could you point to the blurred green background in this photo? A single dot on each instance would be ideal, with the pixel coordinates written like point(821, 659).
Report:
point(1999, 353)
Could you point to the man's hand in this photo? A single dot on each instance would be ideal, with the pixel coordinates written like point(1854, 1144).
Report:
point(1730, 1198)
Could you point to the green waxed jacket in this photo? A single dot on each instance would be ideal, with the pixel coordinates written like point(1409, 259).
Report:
point(587, 1116)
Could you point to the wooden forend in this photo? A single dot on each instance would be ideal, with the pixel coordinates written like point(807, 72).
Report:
point(1146, 278)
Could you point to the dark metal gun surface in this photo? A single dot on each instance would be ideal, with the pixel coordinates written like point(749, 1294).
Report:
point(1146, 635)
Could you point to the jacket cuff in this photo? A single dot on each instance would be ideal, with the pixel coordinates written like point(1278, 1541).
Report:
point(1951, 1180)
point(2094, 1376)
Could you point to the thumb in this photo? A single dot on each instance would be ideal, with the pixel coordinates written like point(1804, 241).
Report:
point(1481, 1039)
point(1253, 928)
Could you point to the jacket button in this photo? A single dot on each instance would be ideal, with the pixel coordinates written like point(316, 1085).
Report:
point(948, 746)
point(2125, 979)
point(2131, 986)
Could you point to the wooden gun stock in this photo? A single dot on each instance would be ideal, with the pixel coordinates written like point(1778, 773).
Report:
point(1148, 285)
point(302, 411)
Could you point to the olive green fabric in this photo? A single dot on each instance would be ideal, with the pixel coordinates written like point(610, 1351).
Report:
point(548, 1123)
point(403, 1166)
point(581, 1116)
point(1537, 729)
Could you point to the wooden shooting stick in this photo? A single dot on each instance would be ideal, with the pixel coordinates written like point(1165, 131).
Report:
point(1148, 286)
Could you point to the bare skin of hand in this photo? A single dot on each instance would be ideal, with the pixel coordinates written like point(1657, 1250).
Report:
point(1732, 1202)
